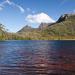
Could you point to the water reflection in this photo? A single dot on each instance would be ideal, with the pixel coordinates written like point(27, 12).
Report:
point(37, 58)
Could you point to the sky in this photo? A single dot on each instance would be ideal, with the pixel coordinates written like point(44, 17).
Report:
point(15, 14)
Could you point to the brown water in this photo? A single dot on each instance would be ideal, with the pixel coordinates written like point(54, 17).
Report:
point(37, 57)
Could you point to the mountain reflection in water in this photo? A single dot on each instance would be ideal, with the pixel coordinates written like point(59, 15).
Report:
point(37, 58)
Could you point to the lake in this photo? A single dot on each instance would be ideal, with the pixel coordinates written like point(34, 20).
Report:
point(37, 57)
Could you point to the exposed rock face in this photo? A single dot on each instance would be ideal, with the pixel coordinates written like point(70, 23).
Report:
point(43, 25)
point(62, 18)
point(65, 17)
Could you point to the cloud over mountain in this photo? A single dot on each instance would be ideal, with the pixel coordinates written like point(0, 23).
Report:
point(39, 18)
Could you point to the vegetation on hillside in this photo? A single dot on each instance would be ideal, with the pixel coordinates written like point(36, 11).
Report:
point(63, 29)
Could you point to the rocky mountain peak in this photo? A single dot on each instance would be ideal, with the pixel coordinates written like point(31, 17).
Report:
point(43, 25)
point(65, 17)
point(25, 28)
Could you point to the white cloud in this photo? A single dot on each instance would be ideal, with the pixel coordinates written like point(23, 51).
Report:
point(8, 1)
point(21, 9)
point(2, 4)
point(39, 18)
point(1, 8)
point(33, 12)
point(12, 4)
point(28, 9)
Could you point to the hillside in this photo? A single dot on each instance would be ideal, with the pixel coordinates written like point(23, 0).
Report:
point(63, 29)
point(64, 26)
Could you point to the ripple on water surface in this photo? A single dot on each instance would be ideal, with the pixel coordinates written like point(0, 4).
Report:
point(37, 58)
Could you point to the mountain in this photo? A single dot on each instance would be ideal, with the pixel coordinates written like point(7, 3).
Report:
point(66, 17)
point(28, 28)
point(43, 25)
point(25, 29)
point(65, 25)
point(63, 28)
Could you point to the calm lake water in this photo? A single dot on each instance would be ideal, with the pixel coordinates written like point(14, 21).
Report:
point(37, 57)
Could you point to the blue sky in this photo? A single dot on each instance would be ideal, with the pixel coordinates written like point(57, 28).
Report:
point(15, 14)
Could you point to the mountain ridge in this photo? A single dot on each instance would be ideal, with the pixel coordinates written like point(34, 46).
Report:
point(63, 28)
